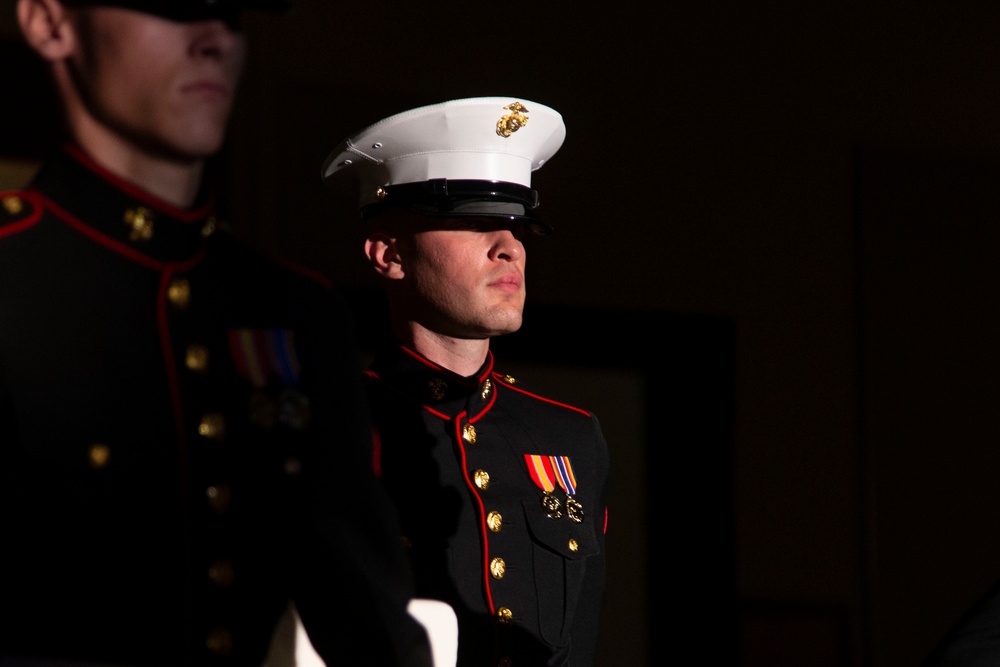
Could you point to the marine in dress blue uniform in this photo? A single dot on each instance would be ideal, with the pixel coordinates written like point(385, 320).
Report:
point(184, 443)
point(501, 490)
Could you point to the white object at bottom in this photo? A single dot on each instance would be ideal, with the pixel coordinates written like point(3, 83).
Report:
point(291, 647)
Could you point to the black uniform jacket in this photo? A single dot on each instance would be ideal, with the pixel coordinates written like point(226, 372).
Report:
point(974, 641)
point(525, 577)
point(184, 443)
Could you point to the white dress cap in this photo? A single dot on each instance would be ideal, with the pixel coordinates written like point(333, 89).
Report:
point(499, 139)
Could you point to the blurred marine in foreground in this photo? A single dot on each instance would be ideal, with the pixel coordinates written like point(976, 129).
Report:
point(184, 444)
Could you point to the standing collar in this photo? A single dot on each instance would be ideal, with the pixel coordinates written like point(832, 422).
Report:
point(436, 388)
point(86, 194)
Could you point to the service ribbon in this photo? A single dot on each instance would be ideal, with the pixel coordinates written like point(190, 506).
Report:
point(564, 473)
point(259, 352)
point(540, 469)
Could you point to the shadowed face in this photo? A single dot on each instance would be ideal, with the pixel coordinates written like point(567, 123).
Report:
point(464, 278)
point(167, 86)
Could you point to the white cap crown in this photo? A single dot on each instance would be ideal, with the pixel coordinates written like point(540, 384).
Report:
point(502, 139)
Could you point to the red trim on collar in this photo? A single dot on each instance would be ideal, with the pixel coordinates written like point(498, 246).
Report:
point(117, 246)
point(487, 370)
point(193, 215)
point(21, 225)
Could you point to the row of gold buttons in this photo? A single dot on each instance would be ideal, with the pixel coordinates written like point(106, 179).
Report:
point(494, 521)
point(212, 425)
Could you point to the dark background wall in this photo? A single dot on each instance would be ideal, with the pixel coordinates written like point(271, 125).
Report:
point(774, 272)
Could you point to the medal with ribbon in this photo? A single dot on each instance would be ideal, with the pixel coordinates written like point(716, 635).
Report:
point(567, 480)
point(542, 474)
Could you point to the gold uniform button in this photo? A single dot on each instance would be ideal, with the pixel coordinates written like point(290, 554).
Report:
point(469, 434)
point(179, 292)
point(13, 204)
point(220, 496)
point(505, 616)
point(219, 641)
point(494, 521)
point(196, 358)
point(212, 426)
point(481, 478)
point(99, 455)
point(209, 227)
point(498, 568)
point(221, 573)
point(509, 379)
point(573, 546)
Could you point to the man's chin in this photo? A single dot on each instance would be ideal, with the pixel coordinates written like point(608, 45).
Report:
point(189, 151)
point(505, 326)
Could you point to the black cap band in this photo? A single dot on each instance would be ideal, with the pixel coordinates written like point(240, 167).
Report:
point(442, 197)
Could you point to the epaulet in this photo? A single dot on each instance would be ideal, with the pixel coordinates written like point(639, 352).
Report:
point(275, 258)
point(515, 384)
point(18, 211)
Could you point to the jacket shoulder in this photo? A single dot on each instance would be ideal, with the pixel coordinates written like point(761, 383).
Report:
point(237, 251)
point(520, 388)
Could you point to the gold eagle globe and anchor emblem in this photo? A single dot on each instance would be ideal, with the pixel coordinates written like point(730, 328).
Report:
point(140, 224)
point(514, 121)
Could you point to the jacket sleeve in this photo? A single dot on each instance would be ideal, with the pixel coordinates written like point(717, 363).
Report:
point(352, 579)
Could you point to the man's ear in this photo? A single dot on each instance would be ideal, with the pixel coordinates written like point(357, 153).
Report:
point(46, 28)
point(382, 251)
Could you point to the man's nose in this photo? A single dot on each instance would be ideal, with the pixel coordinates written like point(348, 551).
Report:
point(506, 246)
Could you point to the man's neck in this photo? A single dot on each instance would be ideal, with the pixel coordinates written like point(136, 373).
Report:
point(462, 356)
point(176, 183)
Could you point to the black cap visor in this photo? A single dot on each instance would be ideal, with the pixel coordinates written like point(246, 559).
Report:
point(187, 10)
point(464, 199)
